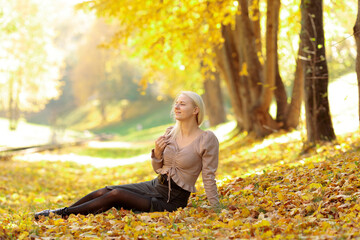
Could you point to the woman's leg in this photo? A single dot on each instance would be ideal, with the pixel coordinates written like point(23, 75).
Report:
point(95, 194)
point(118, 198)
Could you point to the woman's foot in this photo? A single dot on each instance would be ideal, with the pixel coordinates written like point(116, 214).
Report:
point(61, 211)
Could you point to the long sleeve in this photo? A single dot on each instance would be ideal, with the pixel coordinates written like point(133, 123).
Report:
point(210, 161)
point(156, 163)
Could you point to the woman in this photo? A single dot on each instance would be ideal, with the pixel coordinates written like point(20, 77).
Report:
point(178, 157)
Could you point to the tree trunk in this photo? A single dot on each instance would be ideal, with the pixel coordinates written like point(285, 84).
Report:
point(262, 122)
point(271, 54)
point(102, 109)
point(251, 86)
point(227, 62)
point(14, 98)
point(318, 120)
point(254, 67)
point(10, 113)
point(294, 109)
point(243, 72)
point(255, 18)
point(214, 100)
point(357, 40)
point(280, 95)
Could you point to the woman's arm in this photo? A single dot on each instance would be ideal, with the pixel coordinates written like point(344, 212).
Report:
point(157, 153)
point(210, 160)
point(156, 162)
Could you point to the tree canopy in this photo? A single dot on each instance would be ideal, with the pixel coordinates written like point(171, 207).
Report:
point(240, 39)
point(171, 36)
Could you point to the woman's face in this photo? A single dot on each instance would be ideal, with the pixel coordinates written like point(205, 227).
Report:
point(184, 108)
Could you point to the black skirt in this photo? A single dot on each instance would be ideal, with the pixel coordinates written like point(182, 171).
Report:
point(157, 191)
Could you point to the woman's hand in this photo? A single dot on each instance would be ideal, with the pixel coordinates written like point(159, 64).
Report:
point(160, 145)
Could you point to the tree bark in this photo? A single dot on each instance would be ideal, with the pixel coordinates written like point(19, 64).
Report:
point(255, 18)
point(227, 64)
point(262, 122)
point(254, 67)
point(14, 98)
point(280, 95)
point(10, 112)
point(214, 100)
point(268, 87)
point(318, 120)
point(357, 40)
point(294, 109)
point(240, 63)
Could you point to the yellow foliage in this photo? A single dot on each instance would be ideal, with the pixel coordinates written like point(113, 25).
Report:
point(173, 37)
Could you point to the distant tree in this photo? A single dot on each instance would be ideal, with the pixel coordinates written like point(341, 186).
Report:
point(318, 120)
point(214, 101)
point(101, 75)
point(31, 65)
point(357, 39)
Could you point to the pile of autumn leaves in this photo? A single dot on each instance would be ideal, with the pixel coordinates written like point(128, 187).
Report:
point(317, 198)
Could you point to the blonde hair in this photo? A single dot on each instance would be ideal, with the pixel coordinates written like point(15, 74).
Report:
point(197, 102)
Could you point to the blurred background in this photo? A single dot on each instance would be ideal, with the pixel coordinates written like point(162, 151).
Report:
point(58, 84)
point(59, 80)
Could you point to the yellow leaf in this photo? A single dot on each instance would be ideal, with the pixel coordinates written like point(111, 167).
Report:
point(311, 166)
point(263, 223)
point(207, 231)
point(290, 236)
point(280, 196)
point(245, 212)
point(267, 234)
point(244, 71)
point(310, 208)
point(23, 235)
point(307, 197)
point(39, 200)
point(235, 223)
point(325, 225)
point(315, 185)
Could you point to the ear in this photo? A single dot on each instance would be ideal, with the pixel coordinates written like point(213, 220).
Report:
point(196, 110)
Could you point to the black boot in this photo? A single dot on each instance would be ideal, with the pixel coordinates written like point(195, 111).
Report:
point(61, 211)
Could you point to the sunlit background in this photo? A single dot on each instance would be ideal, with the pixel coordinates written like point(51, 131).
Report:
point(58, 84)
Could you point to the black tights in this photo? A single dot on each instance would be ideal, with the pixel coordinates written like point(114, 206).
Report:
point(103, 199)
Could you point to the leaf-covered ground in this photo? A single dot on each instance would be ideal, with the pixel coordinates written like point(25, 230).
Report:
point(270, 189)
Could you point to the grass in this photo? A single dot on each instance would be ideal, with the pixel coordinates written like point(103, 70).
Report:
point(145, 135)
point(110, 152)
point(141, 115)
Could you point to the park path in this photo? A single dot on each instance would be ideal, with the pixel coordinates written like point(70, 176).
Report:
point(87, 160)
point(220, 132)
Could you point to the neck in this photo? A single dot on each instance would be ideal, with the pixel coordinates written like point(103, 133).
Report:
point(187, 128)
